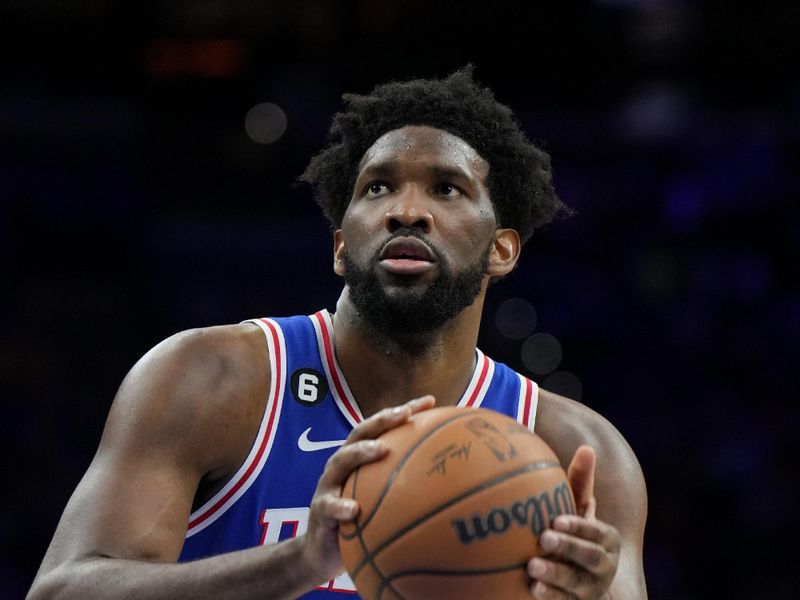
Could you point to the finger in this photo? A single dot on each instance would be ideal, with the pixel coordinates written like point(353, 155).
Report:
point(543, 591)
point(590, 510)
point(422, 403)
point(590, 529)
point(555, 577)
point(586, 554)
point(388, 418)
point(347, 459)
point(581, 479)
point(335, 508)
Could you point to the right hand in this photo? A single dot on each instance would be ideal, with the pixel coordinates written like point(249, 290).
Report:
point(328, 508)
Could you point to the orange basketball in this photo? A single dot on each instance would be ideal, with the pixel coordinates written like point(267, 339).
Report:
point(454, 510)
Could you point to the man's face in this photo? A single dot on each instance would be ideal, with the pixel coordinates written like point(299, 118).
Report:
point(417, 237)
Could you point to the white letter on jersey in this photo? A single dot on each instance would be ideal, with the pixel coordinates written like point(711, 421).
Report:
point(273, 520)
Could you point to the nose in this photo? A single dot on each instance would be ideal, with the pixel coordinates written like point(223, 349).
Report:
point(408, 210)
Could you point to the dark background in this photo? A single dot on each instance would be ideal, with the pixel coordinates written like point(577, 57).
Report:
point(133, 204)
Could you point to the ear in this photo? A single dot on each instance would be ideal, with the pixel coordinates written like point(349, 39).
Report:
point(338, 253)
point(505, 253)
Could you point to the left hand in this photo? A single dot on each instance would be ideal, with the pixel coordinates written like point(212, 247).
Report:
point(582, 552)
point(320, 542)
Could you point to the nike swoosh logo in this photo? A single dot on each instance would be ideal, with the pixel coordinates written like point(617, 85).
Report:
point(307, 445)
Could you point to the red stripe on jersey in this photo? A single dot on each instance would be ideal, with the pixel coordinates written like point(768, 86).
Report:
point(264, 527)
point(251, 467)
point(326, 341)
point(479, 385)
point(526, 410)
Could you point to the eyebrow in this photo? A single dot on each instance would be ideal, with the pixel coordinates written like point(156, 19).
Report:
point(450, 173)
point(387, 169)
point(383, 169)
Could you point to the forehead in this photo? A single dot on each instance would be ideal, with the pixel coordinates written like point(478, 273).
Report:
point(421, 143)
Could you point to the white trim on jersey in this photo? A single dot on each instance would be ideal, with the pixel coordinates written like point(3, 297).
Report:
point(479, 384)
point(336, 382)
point(250, 469)
point(323, 326)
point(528, 401)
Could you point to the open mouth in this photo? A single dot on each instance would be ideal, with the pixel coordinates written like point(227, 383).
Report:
point(407, 256)
point(407, 248)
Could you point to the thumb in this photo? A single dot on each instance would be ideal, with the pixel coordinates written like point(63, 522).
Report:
point(581, 479)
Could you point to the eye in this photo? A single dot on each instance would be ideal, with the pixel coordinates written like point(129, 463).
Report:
point(448, 190)
point(376, 188)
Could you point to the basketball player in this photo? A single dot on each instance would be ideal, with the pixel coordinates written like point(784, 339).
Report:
point(220, 468)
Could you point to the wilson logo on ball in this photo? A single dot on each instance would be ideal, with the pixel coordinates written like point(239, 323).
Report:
point(536, 512)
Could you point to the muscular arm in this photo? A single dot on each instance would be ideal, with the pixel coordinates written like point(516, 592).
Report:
point(185, 416)
point(619, 489)
point(186, 413)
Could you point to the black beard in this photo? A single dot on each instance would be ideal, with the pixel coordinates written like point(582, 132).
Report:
point(416, 311)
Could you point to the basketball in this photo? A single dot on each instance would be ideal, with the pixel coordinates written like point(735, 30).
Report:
point(454, 510)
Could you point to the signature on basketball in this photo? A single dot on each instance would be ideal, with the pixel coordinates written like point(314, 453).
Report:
point(451, 452)
point(492, 437)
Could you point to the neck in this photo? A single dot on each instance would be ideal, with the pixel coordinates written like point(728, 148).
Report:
point(384, 370)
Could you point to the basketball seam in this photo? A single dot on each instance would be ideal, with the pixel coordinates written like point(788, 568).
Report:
point(467, 572)
point(398, 468)
point(368, 556)
point(384, 581)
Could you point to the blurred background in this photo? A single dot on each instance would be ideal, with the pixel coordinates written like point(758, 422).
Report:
point(148, 159)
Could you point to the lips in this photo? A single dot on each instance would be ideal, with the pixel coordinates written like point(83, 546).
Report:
point(407, 256)
point(407, 248)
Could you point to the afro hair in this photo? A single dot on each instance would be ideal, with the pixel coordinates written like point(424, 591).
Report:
point(520, 179)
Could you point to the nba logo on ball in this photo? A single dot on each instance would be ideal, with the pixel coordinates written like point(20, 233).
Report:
point(454, 510)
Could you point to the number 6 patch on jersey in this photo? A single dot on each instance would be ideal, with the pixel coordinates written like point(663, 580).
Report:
point(309, 386)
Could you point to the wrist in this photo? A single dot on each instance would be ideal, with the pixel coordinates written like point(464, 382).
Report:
point(304, 554)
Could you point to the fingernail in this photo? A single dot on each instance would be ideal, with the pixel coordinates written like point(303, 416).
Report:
point(537, 569)
point(548, 541)
point(561, 523)
point(421, 400)
point(372, 445)
point(351, 508)
point(396, 411)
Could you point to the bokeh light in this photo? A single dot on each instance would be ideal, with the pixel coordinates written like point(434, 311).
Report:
point(564, 383)
point(541, 353)
point(515, 318)
point(265, 123)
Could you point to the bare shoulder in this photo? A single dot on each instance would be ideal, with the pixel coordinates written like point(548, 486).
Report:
point(183, 420)
point(619, 487)
point(223, 359)
point(566, 424)
point(201, 384)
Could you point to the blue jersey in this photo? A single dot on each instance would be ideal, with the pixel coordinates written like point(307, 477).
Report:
point(309, 413)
